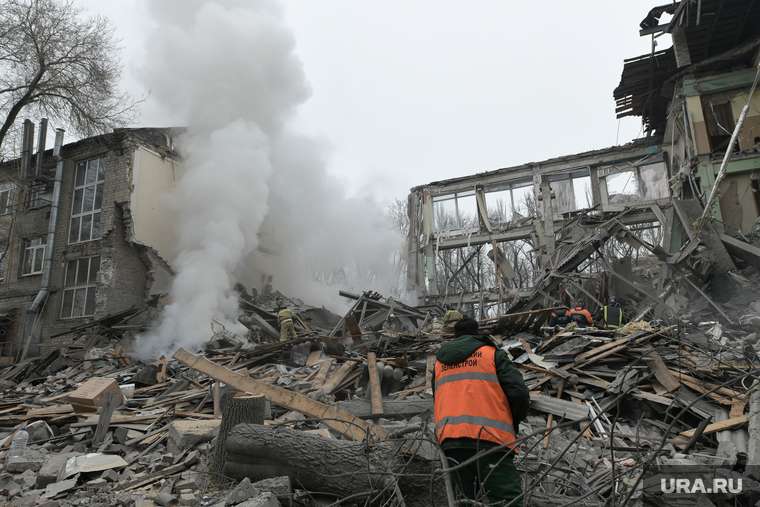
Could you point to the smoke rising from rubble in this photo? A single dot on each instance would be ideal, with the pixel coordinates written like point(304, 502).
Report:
point(227, 70)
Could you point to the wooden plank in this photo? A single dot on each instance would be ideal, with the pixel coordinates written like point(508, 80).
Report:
point(353, 327)
point(334, 418)
point(429, 370)
point(336, 379)
point(526, 347)
point(217, 395)
point(728, 424)
point(324, 369)
point(313, 358)
point(116, 419)
point(550, 419)
point(587, 432)
point(106, 411)
point(374, 384)
point(657, 366)
point(737, 410)
point(45, 411)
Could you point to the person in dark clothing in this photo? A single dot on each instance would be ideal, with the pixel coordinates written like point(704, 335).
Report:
point(610, 316)
point(560, 316)
point(580, 315)
point(480, 399)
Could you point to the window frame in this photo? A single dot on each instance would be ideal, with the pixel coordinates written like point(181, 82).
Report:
point(88, 192)
point(71, 306)
point(7, 192)
point(37, 247)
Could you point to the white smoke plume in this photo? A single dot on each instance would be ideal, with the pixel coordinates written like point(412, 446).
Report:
point(228, 71)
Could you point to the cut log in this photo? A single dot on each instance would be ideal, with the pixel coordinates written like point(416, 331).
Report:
point(237, 410)
point(339, 467)
point(344, 468)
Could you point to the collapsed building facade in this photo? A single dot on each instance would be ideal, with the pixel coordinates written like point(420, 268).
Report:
point(534, 217)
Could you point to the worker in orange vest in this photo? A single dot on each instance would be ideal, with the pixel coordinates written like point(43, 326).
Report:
point(480, 399)
point(580, 315)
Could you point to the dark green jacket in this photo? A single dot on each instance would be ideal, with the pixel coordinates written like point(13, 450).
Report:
point(511, 380)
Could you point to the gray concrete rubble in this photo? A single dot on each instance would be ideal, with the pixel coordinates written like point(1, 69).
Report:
point(343, 413)
point(646, 395)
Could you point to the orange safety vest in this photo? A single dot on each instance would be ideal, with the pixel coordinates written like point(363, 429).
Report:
point(469, 400)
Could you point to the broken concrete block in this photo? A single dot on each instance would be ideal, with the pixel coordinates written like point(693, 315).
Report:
point(281, 487)
point(265, 499)
point(31, 460)
point(50, 470)
point(110, 476)
point(38, 431)
point(8, 487)
point(146, 376)
point(242, 492)
point(97, 483)
point(27, 479)
point(59, 487)
point(188, 498)
point(92, 462)
point(185, 433)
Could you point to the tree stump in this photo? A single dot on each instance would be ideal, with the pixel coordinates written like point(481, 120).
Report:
point(237, 409)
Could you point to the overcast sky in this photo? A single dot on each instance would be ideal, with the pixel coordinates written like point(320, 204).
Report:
point(406, 93)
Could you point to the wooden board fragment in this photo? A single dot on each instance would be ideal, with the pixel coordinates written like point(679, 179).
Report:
point(353, 327)
point(429, 370)
point(334, 418)
point(657, 366)
point(374, 385)
point(337, 378)
point(728, 424)
point(319, 379)
point(313, 358)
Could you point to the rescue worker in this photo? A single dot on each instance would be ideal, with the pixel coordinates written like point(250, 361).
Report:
point(480, 399)
point(610, 316)
point(451, 318)
point(390, 324)
point(560, 316)
point(285, 321)
point(580, 315)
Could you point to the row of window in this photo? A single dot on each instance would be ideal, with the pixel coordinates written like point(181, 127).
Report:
point(85, 207)
point(79, 281)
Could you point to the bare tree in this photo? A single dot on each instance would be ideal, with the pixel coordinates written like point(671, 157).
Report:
point(56, 63)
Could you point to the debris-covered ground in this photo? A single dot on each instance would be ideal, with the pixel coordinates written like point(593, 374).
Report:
point(343, 414)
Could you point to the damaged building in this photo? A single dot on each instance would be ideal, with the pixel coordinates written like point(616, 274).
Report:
point(691, 97)
point(84, 231)
point(343, 413)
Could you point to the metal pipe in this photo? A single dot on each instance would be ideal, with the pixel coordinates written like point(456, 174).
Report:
point(48, 261)
point(42, 137)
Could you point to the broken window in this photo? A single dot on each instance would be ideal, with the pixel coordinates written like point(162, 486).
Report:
point(719, 120)
point(572, 191)
point(88, 197)
point(79, 288)
point(504, 199)
point(636, 183)
point(34, 254)
point(455, 211)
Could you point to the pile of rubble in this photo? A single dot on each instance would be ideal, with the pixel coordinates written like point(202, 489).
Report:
point(343, 413)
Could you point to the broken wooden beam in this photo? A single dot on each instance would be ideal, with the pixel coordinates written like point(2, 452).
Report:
point(333, 417)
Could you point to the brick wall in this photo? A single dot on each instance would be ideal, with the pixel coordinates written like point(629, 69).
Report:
point(124, 280)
